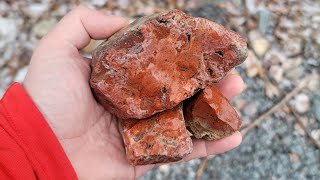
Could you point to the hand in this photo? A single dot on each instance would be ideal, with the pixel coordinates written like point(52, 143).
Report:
point(58, 82)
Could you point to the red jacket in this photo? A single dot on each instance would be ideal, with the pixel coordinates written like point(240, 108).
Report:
point(28, 147)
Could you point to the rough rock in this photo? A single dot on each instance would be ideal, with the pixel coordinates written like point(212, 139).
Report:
point(160, 138)
point(301, 103)
point(161, 60)
point(210, 115)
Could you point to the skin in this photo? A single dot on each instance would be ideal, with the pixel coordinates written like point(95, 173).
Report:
point(58, 82)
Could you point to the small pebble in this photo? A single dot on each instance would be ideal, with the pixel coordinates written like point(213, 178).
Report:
point(301, 103)
point(316, 108)
point(250, 109)
point(42, 28)
point(37, 9)
point(164, 168)
point(276, 73)
point(21, 74)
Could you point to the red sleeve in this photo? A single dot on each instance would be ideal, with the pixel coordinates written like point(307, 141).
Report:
point(28, 147)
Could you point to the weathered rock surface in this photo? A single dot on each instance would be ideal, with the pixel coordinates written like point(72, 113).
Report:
point(161, 138)
point(161, 60)
point(210, 115)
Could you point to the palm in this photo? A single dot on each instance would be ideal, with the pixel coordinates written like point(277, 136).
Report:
point(82, 126)
point(58, 82)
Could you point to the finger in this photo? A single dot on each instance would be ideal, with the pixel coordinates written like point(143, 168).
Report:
point(231, 86)
point(203, 148)
point(82, 24)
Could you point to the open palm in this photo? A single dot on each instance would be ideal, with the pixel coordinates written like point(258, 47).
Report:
point(58, 82)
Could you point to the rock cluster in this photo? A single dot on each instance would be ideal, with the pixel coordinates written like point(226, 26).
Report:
point(143, 73)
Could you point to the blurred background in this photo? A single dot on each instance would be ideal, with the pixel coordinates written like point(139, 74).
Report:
point(280, 106)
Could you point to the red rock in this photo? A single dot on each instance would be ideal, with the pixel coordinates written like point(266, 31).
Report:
point(210, 115)
point(161, 60)
point(160, 138)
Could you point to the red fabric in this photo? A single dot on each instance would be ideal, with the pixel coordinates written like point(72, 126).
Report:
point(28, 147)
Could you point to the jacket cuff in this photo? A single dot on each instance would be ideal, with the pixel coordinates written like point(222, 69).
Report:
point(27, 126)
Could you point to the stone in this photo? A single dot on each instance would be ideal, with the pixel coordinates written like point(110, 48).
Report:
point(210, 115)
point(240, 103)
point(160, 60)
point(264, 18)
point(162, 137)
point(250, 110)
point(42, 28)
point(8, 31)
point(253, 65)
point(35, 10)
point(301, 103)
point(271, 90)
point(259, 43)
point(21, 74)
point(316, 107)
point(276, 73)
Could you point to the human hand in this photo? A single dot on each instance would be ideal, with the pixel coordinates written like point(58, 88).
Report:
point(58, 82)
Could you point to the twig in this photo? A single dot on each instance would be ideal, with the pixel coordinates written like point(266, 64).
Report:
point(274, 108)
point(201, 168)
point(305, 129)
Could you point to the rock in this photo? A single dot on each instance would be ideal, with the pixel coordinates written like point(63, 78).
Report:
point(164, 168)
point(21, 74)
point(316, 37)
point(295, 73)
point(276, 73)
point(301, 103)
point(299, 129)
point(210, 115)
point(240, 103)
point(211, 12)
point(264, 16)
point(5, 77)
point(292, 63)
point(35, 10)
point(251, 6)
point(259, 44)
point(8, 31)
point(161, 138)
point(161, 60)
point(314, 83)
point(252, 65)
point(99, 3)
point(250, 110)
point(42, 28)
point(316, 134)
point(2, 91)
point(316, 108)
point(293, 46)
point(123, 3)
point(294, 157)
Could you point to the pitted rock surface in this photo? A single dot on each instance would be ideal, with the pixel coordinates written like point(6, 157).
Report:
point(143, 74)
point(210, 115)
point(162, 137)
point(161, 60)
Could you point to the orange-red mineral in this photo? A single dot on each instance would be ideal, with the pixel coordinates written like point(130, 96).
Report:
point(160, 138)
point(210, 115)
point(161, 60)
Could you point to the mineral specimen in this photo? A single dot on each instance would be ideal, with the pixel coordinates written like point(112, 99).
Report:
point(210, 115)
point(162, 137)
point(145, 72)
point(161, 60)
